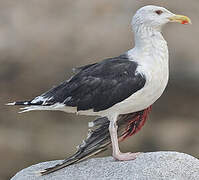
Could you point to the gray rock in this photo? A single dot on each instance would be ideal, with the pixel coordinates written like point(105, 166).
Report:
point(148, 166)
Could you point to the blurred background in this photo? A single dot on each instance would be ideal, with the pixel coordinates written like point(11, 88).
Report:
point(40, 42)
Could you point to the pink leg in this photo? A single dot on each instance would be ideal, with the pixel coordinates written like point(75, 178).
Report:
point(116, 151)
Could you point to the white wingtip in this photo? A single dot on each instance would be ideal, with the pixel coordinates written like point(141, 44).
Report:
point(10, 104)
point(25, 109)
point(22, 111)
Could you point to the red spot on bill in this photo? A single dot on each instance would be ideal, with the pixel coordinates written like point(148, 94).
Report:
point(185, 22)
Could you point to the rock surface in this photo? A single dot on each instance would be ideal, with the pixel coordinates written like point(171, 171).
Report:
point(154, 165)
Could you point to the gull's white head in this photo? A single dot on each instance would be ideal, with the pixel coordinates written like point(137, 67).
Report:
point(154, 17)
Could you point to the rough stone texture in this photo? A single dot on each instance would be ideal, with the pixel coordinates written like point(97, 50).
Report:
point(154, 165)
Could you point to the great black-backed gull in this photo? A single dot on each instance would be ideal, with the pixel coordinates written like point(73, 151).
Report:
point(113, 88)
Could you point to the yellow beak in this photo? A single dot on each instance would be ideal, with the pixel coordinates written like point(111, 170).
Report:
point(180, 19)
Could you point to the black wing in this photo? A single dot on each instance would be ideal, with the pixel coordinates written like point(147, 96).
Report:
point(98, 86)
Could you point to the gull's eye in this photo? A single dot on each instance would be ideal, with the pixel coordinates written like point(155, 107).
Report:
point(159, 12)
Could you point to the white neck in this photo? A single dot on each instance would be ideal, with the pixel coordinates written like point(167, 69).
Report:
point(151, 54)
point(149, 40)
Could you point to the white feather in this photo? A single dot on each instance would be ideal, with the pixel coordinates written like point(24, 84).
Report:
point(90, 124)
point(10, 104)
point(54, 107)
